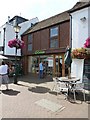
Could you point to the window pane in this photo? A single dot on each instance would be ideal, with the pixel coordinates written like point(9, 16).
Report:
point(54, 43)
point(54, 32)
point(30, 38)
point(29, 47)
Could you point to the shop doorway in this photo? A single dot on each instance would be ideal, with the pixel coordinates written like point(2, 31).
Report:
point(53, 65)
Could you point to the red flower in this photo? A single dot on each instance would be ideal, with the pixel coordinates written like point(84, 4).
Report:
point(87, 43)
point(16, 43)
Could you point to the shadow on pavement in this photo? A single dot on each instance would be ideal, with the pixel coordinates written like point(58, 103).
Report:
point(53, 92)
point(39, 89)
point(79, 96)
point(10, 92)
point(32, 78)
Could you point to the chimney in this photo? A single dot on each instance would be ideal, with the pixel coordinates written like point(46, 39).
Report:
point(8, 18)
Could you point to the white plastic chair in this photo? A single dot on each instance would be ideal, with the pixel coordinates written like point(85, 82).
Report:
point(78, 87)
point(56, 84)
point(59, 87)
point(77, 71)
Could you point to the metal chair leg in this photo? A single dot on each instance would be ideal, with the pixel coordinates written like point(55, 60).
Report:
point(53, 87)
point(74, 95)
point(84, 95)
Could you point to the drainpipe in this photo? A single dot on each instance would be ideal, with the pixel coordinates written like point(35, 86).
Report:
point(4, 29)
point(70, 30)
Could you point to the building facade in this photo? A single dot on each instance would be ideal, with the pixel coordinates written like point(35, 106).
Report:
point(48, 39)
point(7, 33)
point(80, 19)
point(47, 42)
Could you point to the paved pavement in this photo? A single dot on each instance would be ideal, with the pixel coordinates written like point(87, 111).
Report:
point(20, 100)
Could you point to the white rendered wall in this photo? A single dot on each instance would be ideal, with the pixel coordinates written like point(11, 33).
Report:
point(79, 28)
point(80, 32)
point(84, 0)
point(10, 34)
point(2, 36)
point(26, 25)
point(77, 68)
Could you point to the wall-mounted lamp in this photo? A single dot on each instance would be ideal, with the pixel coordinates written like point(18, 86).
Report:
point(83, 19)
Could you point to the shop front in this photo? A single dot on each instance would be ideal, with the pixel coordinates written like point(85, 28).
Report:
point(53, 64)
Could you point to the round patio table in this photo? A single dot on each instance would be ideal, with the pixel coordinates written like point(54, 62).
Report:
point(70, 83)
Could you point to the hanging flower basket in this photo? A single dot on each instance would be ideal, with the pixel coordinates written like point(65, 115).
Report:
point(80, 53)
point(19, 44)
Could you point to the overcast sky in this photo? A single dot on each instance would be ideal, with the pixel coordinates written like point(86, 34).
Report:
point(29, 9)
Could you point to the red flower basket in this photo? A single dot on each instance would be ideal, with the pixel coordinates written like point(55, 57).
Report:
point(79, 53)
point(16, 43)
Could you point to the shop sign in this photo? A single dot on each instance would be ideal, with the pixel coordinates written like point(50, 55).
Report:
point(39, 52)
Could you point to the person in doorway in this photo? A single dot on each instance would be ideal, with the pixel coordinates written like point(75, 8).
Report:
point(41, 70)
point(4, 79)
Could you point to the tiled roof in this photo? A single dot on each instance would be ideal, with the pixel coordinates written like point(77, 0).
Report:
point(49, 22)
point(80, 5)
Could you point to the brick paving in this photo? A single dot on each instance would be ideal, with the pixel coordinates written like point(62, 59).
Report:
point(19, 101)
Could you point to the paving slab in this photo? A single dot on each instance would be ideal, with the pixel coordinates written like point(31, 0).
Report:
point(20, 101)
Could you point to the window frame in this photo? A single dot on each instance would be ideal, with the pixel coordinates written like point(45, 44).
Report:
point(52, 34)
point(52, 41)
point(54, 37)
point(29, 41)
